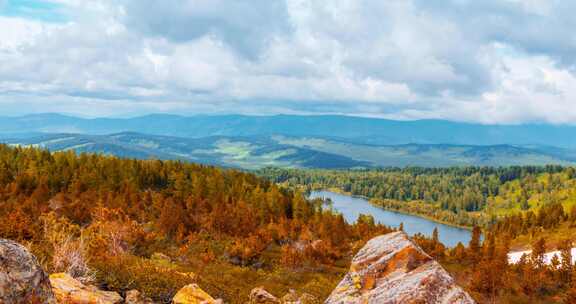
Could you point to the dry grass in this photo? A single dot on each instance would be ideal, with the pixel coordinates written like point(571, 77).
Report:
point(69, 257)
point(69, 253)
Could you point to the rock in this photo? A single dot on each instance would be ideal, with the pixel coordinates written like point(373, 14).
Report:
point(292, 297)
point(22, 280)
point(158, 256)
point(318, 244)
point(136, 297)
point(260, 296)
point(391, 269)
point(71, 291)
point(307, 298)
point(192, 294)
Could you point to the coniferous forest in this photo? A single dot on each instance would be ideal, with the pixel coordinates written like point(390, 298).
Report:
point(107, 220)
point(158, 225)
point(464, 196)
point(517, 208)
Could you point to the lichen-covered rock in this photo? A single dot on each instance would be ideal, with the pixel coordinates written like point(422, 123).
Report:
point(158, 256)
point(70, 291)
point(22, 280)
point(192, 294)
point(292, 297)
point(260, 296)
point(391, 269)
point(307, 298)
point(136, 297)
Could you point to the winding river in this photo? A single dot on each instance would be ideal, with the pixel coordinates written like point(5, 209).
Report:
point(351, 207)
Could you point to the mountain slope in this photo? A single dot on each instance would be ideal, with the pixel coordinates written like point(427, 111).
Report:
point(357, 129)
point(302, 152)
point(248, 153)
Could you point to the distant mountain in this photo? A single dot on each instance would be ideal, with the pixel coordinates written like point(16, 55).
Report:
point(247, 153)
point(253, 152)
point(353, 129)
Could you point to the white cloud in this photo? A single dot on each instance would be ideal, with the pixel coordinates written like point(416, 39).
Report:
point(491, 61)
point(20, 31)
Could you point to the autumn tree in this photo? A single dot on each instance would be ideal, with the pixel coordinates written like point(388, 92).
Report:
point(566, 266)
point(474, 245)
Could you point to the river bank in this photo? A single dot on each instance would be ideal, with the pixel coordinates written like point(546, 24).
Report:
point(373, 202)
point(352, 206)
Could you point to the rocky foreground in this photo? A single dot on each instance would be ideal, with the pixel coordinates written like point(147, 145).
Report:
point(390, 269)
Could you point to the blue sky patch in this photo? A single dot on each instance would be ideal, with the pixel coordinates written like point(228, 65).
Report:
point(33, 9)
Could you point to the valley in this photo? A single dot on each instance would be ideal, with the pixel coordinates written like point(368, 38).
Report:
point(287, 152)
point(284, 210)
point(257, 152)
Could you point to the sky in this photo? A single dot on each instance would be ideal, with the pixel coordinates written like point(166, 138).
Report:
point(490, 61)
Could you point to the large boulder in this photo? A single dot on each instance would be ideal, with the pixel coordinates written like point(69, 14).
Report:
point(136, 297)
point(193, 294)
point(22, 280)
point(391, 269)
point(292, 297)
point(70, 291)
point(259, 295)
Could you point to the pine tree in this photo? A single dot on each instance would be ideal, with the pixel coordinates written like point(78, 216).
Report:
point(435, 237)
point(566, 266)
point(538, 251)
point(459, 252)
point(474, 245)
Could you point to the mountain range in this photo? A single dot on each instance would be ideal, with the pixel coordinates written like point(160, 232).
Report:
point(254, 142)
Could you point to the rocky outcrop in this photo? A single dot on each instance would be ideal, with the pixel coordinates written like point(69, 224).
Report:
point(260, 296)
point(71, 291)
point(22, 280)
point(292, 297)
point(136, 297)
point(391, 269)
point(192, 294)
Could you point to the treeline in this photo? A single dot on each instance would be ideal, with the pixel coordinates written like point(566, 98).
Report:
point(103, 218)
point(483, 268)
point(464, 196)
point(548, 217)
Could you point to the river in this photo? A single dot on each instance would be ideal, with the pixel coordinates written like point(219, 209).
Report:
point(351, 207)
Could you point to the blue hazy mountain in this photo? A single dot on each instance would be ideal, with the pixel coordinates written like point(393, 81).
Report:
point(353, 129)
point(253, 152)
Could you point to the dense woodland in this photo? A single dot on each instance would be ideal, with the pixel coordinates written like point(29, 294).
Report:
point(470, 196)
point(517, 207)
point(158, 225)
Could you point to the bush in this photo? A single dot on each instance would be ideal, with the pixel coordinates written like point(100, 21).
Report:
point(160, 282)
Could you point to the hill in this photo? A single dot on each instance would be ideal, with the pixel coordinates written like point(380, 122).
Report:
point(157, 226)
point(254, 152)
point(356, 129)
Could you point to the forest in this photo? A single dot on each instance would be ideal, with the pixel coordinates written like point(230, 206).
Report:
point(463, 196)
point(157, 225)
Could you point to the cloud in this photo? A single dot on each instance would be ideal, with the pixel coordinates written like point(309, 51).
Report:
point(505, 61)
point(247, 26)
point(538, 27)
